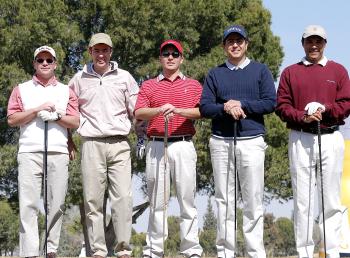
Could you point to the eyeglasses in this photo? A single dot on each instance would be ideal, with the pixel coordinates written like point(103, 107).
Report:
point(238, 41)
point(175, 54)
point(41, 60)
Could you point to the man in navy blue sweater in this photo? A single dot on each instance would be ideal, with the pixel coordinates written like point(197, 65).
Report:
point(239, 91)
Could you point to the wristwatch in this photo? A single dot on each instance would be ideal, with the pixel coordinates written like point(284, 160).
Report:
point(59, 116)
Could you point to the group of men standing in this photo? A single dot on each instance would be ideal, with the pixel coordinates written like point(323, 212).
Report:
point(103, 101)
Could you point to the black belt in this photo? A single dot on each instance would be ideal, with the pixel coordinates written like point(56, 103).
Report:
point(313, 130)
point(172, 139)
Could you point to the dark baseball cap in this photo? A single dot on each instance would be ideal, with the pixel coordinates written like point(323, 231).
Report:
point(235, 29)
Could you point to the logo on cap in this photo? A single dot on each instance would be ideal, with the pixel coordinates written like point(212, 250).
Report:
point(235, 29)
point(315, 30)
point(45, 49)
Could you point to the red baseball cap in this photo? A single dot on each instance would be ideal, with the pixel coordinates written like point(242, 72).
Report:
point(175, 43)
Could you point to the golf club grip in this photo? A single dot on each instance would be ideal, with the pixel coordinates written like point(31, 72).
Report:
point(235, 132)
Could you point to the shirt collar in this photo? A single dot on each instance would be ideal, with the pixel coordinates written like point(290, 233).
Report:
point(161, 77)
point(236, 67)
point(53, 81)
point(322, 62)
point(89, 68)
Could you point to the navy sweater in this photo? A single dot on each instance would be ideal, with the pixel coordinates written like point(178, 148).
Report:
point(253, 86)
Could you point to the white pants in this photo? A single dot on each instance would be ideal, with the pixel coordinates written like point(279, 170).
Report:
point(181, 167)
point(30, 176)
point(303, 157)
point(250, 155)
point(106, 164)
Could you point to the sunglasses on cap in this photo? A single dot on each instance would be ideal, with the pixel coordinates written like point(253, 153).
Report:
point(41, 60)
point(175, 54)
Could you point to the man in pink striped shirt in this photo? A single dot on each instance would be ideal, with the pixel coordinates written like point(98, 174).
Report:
point(170, 96)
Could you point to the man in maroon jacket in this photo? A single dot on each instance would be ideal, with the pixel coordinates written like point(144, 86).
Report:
point(315, 89)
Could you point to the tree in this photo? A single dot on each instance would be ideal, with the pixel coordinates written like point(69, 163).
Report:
point(8, 229)
point(269, 234)
point(172, 244)
point(207, 237)
point(137, 28)
point(138, 240)
point(285, 244)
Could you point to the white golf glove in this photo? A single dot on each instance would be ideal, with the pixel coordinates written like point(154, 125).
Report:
point(48, 116)
point(312, 107)
point(140, 148)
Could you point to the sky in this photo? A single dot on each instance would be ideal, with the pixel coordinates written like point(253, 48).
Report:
point(289, 18)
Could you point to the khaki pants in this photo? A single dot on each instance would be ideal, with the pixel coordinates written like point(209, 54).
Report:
point(30, 176)
point(106, 163)
point(303, 157)
point(250, 155)
point(181, 168)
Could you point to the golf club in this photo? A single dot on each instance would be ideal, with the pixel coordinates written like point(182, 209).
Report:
point(321, 177)
point(236, 176)
point(165, 175)
point(45, 184)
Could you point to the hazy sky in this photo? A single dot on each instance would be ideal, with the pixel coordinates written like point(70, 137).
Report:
point(289, 18)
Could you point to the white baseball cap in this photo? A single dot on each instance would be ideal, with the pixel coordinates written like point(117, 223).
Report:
point(315, 30)
point(45, 49)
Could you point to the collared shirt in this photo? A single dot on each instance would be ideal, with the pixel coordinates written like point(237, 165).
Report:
point(322, 62)
point(15, 102)
point(236, 67)
point(182, 92)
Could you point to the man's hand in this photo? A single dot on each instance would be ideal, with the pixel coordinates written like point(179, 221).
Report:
point(312, 107)
point(317, 116)
point(48, 106)
point(231, 104)
point(167, 110)
point(48, 116)
point(140, 148)
point(237, 113)
point(72, 149)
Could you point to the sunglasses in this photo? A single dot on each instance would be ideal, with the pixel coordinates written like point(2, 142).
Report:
point(175, 54)
point(41, 60)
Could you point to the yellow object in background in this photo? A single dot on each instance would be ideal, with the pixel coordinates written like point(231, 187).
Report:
point(344, 247)
point(345, 181)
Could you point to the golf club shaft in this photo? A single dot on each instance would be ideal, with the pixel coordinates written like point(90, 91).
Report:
point(321, 177)
point(235, 165)
point(45, 184)
point(165, 175)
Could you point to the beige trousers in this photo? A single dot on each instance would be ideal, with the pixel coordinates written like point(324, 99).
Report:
point(106, 164)
point(30, 177)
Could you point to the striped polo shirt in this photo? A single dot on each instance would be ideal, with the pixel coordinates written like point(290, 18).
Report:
point(183, 92)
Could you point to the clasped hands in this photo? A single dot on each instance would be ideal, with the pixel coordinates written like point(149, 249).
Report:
point(313, 112)
point(234, 108)
point(47, 112)
point(168, 111)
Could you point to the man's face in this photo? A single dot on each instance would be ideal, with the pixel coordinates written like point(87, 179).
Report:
point(45, 65)
point(170, 58)
point(101, 55)
point(314, 47)
point(235, 47)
